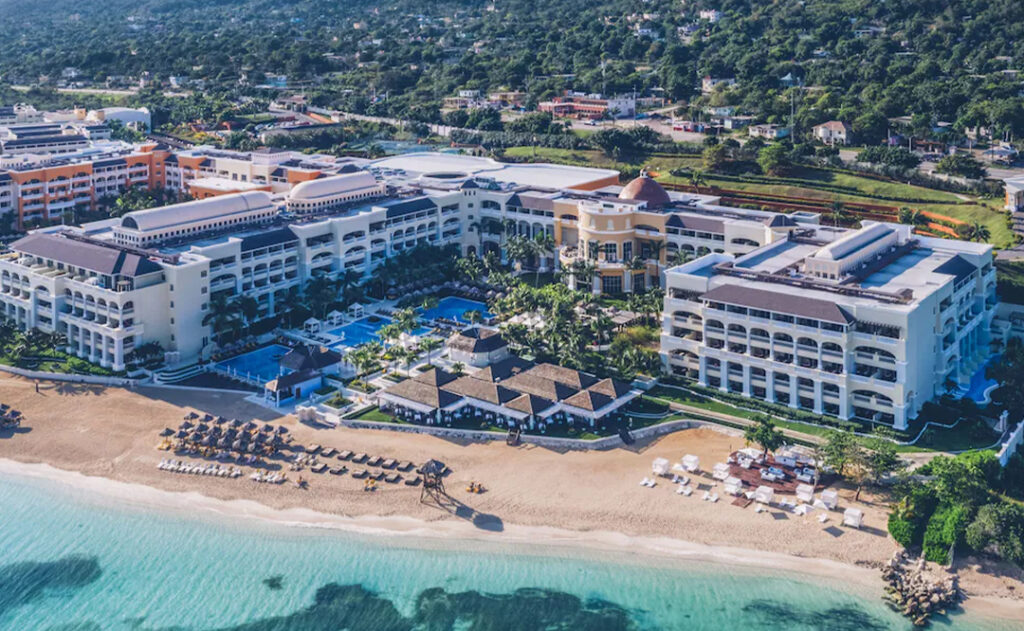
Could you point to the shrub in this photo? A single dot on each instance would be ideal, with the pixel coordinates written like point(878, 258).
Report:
point(902, 530)
point(945, 529)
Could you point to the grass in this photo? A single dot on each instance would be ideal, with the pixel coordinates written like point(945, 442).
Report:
point(814, 184)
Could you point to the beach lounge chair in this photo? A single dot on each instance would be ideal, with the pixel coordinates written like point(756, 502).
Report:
point(319, 468)
point(374, 462)
point(329, 452)
point(359, 458)
point(412, 481)
point(338, 470)
point(713, 498)
point(393, 478)
point(405, 465)
point(390, 463)
point(822, 517)
point(344, 455)
point(312, 449)
point(360, 474)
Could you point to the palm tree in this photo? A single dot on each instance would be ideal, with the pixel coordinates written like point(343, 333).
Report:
point(458, 368)
point(911, 216)
point(348, 286)
point(429, 345)
point(223, 316)
point(249, 308)
point(406, 320)
point(321, 292)
point(470, 268)
point(680, 256)
point(979, 232)
point(56, 339)
point(519, 249)
point(697, 179)
point(837, 212)
point(636, 264)
point(543, 244)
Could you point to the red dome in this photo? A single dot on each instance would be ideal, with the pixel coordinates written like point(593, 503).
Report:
point(646, 189)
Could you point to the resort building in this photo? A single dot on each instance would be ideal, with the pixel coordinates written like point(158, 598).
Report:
point(869, 325)
point(512, 392)
point(594, 106)
point(477, 347)
point(302, 370)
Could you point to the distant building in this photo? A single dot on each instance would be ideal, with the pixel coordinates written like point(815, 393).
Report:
point(579, 105)
point(833, 133)
point(1014, 194)
point(477, 347)
point(768, 131)
point(709, 83)
point(711, 15)
point(138, 119)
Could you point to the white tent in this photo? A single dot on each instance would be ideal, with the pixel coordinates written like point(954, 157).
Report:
point(764, 494)
point(830, 498)
point(311, 325)
point(691, 462)
point(805, 493)
point(660, 466)
point(335, 317)
point(751, 453)
point(721, 471)
point(733, 486)
point(853, 517)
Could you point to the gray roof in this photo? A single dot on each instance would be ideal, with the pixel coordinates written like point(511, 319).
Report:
point(401, 207)
point(782, 303)
point(91, 256)
point(309, 358)
point(958, 267)
point(703, 224)
point(291, 379)
point(477, 340)
point(268, 238)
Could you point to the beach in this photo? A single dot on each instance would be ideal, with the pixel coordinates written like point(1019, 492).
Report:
point(576, 498)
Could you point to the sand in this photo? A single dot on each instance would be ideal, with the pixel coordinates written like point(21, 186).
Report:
point(575, 498)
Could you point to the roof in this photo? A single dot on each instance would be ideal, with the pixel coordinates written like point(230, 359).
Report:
point(91, 256)
point(504, 369)
point(958, 267)
point(834, 126)
point(197, 211)
point(113, 162)
point(477, 340)
point(58, 139)
point(645, 189)
point(482, 390)
point(268, 238)
point(435, 377)
point(561, 374)
point(424, 393)
point(610, 387)
point(779, 221)
point(783, 303)
point(530, 404)
point(308, 357)
point(401, 207)
point(589, 400)
point(333, 185)
point(291, 379)
point(530, 383)
point(701, 224)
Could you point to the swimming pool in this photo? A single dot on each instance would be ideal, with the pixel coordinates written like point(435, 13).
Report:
point(981, 386)
point(262, 363)
point(454, 307)
point(365, 330)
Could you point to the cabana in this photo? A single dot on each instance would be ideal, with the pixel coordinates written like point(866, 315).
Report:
point(311, 325)
point(805, 493)
point(691, 463)
point(853, 517)
point(335, 318)
point(721, 471)
point(660, 466)
point(356, 310)
point(764, 494)
point(733, 486)
point(830, 498)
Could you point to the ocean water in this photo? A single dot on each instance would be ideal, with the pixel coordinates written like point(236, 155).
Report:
point(71, 562)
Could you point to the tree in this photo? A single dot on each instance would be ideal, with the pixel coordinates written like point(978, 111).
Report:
point(470, 268)
point(764, 433)
point(998, 529)
point(248, 308)
point(962, 165)
point(714, 157)
point(974, 231)
point(698, 179)
point(1009, 372)
point(458, 368)
point(223, 318)
point(429, 345)
point(837, 211)
point(773, 159)
point(840, 449)
point(543, 245)
point(911, 216)
point(519, 249)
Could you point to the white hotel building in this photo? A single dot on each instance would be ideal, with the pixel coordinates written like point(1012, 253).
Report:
point(867, 326)
point(867, 323)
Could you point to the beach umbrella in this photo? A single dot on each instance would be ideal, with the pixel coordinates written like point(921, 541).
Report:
point(268, 428)
point(167, 432)
point(181, 434)
point(221, 420)
point(249, 426)
point(236, 423)
point(224, 443)
point(186, 425)
point(281, 429)
point(202, 427)
point(237, 445)
point(259, 438)
point(207, 441)
point(252, 447)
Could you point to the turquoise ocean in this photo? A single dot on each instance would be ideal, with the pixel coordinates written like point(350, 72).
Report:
point(74, 562)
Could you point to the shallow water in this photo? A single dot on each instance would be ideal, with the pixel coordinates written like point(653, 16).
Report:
point(70, 562)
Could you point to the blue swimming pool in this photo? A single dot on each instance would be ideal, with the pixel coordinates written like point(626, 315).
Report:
point(453, 308)
point(365, 330)
point(981, 385)
point(262, 363)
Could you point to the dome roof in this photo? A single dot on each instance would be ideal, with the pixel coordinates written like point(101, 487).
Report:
point(645, 189)
point(333, 185)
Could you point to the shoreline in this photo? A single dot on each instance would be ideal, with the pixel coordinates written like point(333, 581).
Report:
point(544, 540)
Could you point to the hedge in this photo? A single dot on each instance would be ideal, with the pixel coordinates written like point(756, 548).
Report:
point(945, 529)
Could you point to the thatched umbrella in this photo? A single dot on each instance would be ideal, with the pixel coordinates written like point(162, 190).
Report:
point(281, 429)
point(202, 427)
point(236, 423)
point(268, 428)
point(237, 445)
point(181, 434)
point(186, 425)
point(167, 432)
point(224, 443)
point(221, 420)
point(249, 426)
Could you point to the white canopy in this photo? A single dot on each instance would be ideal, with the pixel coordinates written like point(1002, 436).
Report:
point(853, 517)
point(751, 453)
point(830, 498)
point(764, 494)
point(733, 485)
point(805, 493)
point(691, 462)
point(660, 466)
point(721, 471)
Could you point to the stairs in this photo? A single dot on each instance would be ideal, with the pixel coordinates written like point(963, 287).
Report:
point(176, 374)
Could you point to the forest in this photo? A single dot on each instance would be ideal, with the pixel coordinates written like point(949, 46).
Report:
point(857, 60)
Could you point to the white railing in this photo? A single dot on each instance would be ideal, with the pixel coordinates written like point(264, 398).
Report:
point(1012, 444)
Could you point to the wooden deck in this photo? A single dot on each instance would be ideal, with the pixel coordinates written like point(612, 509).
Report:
point(752, 477)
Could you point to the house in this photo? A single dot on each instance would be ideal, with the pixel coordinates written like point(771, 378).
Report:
point(710, 15)
point(768, 131)
point(833, 133)
point(302, 371)
point(477, 347)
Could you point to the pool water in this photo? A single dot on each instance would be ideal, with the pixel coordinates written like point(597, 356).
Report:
point(980, 384)
point(365, 330)
point(453, 308)
point(262, 363)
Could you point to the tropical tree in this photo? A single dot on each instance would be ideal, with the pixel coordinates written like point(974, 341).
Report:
point(470, 268)
point(55, 340)
point(248, 308)
point(223, 317)
point(837, 212)
point(911, 216)
point(458, 368)
point(320, 293)
point(429, 345)
point(974, 231)
point(840, 450)
point(764, 433)
point(698, 179)
point(519, 249)
point(406, 320)
point(543, 244)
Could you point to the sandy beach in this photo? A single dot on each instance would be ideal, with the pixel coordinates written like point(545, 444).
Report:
point(533, 494)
